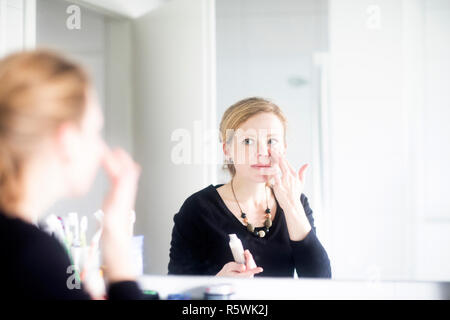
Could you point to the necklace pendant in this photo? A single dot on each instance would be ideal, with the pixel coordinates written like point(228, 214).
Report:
point(261, 234)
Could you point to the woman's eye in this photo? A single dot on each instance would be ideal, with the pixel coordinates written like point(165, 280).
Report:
point(272, 141)
point(248, 141)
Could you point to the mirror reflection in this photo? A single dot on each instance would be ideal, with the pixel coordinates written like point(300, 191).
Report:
point(313, 132)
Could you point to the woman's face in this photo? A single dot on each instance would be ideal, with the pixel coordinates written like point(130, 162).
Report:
point(88, 149)
point(252, 144)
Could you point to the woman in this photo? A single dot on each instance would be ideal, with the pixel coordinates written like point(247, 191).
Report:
point(269, 213)
point(50, 148)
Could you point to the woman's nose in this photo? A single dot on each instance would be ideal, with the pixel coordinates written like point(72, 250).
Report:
point(263, 149)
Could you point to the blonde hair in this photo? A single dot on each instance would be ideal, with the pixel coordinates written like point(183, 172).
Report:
point(240, 112)
point(39, 91)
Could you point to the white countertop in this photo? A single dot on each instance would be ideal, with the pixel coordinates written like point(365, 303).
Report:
point(297, 289)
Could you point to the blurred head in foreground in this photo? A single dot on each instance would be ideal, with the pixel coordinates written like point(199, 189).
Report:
point(50, 131)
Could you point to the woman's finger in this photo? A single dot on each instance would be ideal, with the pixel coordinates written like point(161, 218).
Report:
point(129, 170)
point(302, 171)
point(124, 175)
point(283, 166)
point(250, 273)
point(234, 267)
point(110, 163)
point(127, 163)
point(293, 172)
point(249, 261)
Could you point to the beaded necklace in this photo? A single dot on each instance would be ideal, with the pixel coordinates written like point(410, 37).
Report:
point(250, 227)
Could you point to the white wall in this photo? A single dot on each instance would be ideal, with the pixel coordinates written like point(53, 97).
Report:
point(388, 137)
point(174, 88)
point(119, 83)
point(86, 45)
point(433, 252)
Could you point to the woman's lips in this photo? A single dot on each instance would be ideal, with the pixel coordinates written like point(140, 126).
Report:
point(257, 166)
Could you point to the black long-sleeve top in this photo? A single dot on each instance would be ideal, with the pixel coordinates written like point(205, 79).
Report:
point(200, 241)
point(34, 265)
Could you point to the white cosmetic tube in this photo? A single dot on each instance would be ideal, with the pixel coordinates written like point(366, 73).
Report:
point(237, 249)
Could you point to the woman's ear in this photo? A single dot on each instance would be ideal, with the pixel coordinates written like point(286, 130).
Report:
point(226, 152)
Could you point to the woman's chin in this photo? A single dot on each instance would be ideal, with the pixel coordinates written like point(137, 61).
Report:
point(77, 193)
point(253, 176)
point(259, 179)
point(79, 190)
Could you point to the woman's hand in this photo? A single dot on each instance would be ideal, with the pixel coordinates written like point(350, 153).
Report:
point(118, 219)
point(288, 189)
point(234, 269)
point(118, 205)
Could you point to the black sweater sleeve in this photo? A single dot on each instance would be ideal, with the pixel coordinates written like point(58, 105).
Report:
point(310, 257)
point(39, 268)
point(45, 273)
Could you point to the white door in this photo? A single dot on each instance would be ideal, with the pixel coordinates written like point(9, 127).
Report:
point(174, 98)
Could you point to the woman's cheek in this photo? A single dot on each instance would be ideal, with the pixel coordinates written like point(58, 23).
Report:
point(93, 156)
point(99, 150)
point(275, 147)
point(252, 155)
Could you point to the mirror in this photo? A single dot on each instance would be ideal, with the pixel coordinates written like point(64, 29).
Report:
point(362, 83)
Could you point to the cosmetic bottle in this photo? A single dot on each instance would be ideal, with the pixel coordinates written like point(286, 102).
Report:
point(236, 249)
